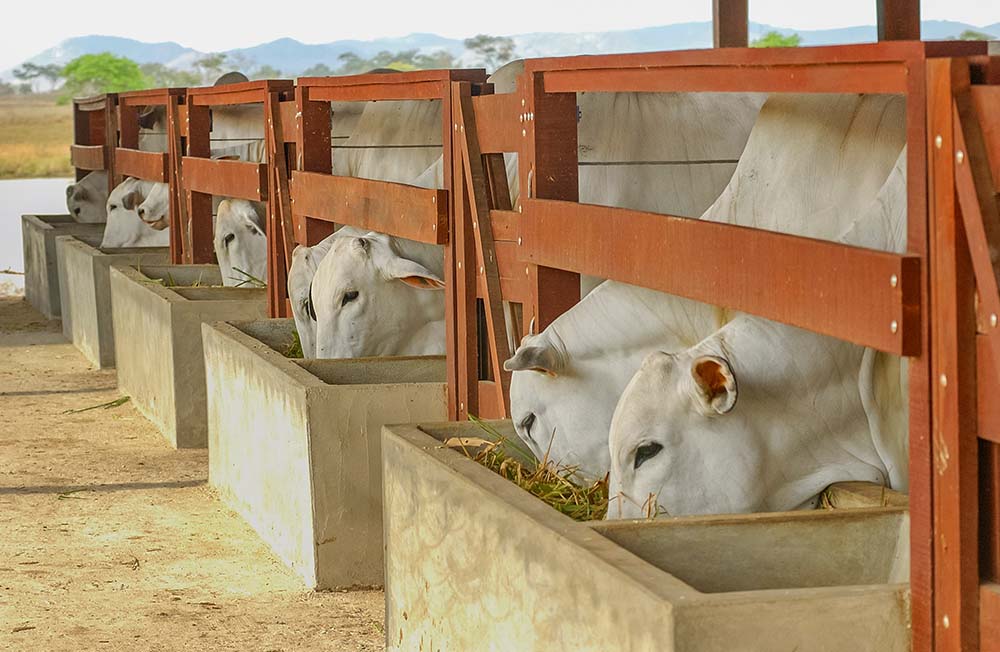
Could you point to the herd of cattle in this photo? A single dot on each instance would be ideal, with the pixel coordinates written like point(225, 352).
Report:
point(690, 408)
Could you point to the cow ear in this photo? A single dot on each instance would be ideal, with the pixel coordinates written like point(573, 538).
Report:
point(130, 200)
point(413, 274)
point(714, 384)
point(70, 189)
point(535, 357)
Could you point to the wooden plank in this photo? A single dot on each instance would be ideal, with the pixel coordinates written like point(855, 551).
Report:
point(986, 99)
point(312, 151)
point(730, 23)
point(988, 385)
point(505, 225)
point(989, 514)
point(87, 157)
point(281, 238)
point(404, 211)
point(288, 122)
point(482, 230)
point(898, 20)
point(239, 179)
point(989, 618)
point(128, 127)
point(920, 412)
point(198, 244)
point(395, 78)
point(151, 166)
point(500, 119)
point(428, 90)
point(830, 288)
point(178, 198)
point(548, 169)
point(150, 96)
point(832, 78)
point(953, 360)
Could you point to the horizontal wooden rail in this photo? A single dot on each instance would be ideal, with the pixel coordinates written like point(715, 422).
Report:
point(425, 90)
point(864, 296)
point(88, 157)
point(151, 166)
point(238, 179)
point(832, 78)
point(404, 211)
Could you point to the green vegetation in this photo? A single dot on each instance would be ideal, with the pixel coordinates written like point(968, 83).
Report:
point(35, 133)
point(494, 51)
point(91, 74)
point(777, 40)
point(973, 35)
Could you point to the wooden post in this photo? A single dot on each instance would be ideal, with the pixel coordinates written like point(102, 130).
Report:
point(178, 198)
point(898, 20)
point(953, 359)
point(730, 23)
point(198, 237)
point(548, 169)
point(312, 153)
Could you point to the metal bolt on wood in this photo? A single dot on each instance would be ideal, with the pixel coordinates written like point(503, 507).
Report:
point(938, 141)
point(519, 242)
point(943, 380)
point(945, 621)
point(993, 320)
point(893, 280)
point(959, 156)
point(894, 326)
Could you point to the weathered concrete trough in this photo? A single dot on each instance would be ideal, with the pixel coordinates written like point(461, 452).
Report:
point(474, 562)
point(85, 292)
point(294, 445)
point(157, 315)
point(41, 266)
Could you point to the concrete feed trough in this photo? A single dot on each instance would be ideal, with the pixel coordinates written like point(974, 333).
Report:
point(157, 317)
point(85, 292)
point(294, 445)
point(41, 267)
point(472, 558)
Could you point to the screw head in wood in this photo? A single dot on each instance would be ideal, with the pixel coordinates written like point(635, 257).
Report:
point(527, 272)
point(524, 132)
point(434, 227)
point(460, 264)
point(993, 320)
point(894, 326)
point(522, 101)
point(456, 126)
point(475, 224)
point(482, 269)
point(519, 242)
point(959, 156)
point(893, 280)
point(943, 380)
point(434, 200)
point(461, 406)
point(945, 621)
point(938, 141)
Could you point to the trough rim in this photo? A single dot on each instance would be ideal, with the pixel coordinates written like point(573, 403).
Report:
point(132, 273)
point(587, 540)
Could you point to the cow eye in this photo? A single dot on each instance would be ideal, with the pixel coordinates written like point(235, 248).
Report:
point(646, 452)
point(113, 207)
point(349, 297)
point(229, 238)
point(527, 422)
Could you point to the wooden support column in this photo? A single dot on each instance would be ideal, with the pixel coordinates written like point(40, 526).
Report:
point(953, 356)
point(312, 151)
point(548, 169)
point(730, 23)
point(81, 133)
point(178, 198)
point(898, 20)
point(279, 211)
point(198, 235)
point(110, 139)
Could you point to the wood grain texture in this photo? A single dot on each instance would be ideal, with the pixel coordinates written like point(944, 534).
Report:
point(151, 166)
point(730, 23)
point(398, 209)
point(87, 157)
point(239, 179)
point(898, 20)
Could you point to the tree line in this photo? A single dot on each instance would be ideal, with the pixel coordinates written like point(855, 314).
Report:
point(92, 74)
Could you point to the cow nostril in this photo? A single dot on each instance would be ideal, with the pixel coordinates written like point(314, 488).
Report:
point(76, 211)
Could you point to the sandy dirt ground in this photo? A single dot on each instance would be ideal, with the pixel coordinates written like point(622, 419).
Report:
point(111, 540)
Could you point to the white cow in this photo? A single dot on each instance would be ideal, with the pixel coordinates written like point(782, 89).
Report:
point(87, 199)
point(375, 295)
point(760, 416)
point(124, 228)
point(812, 164)
point(240, 242)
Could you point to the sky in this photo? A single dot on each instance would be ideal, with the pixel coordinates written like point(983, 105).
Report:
point(208, 25)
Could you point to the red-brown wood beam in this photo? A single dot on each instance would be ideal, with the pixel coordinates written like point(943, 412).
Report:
point(730, 23)
point(953, 360)
point(898, 20)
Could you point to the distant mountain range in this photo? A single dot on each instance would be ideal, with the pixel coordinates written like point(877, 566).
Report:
point(291, 57)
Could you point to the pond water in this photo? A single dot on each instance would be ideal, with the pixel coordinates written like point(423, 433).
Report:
point(19, 197)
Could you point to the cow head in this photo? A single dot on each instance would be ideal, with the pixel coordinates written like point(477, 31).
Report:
point(87, 199)
point(124, 228)
point(371, 301)
point(240, 243)
point(154, 209)
point(555, 404)
point(672, 410)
